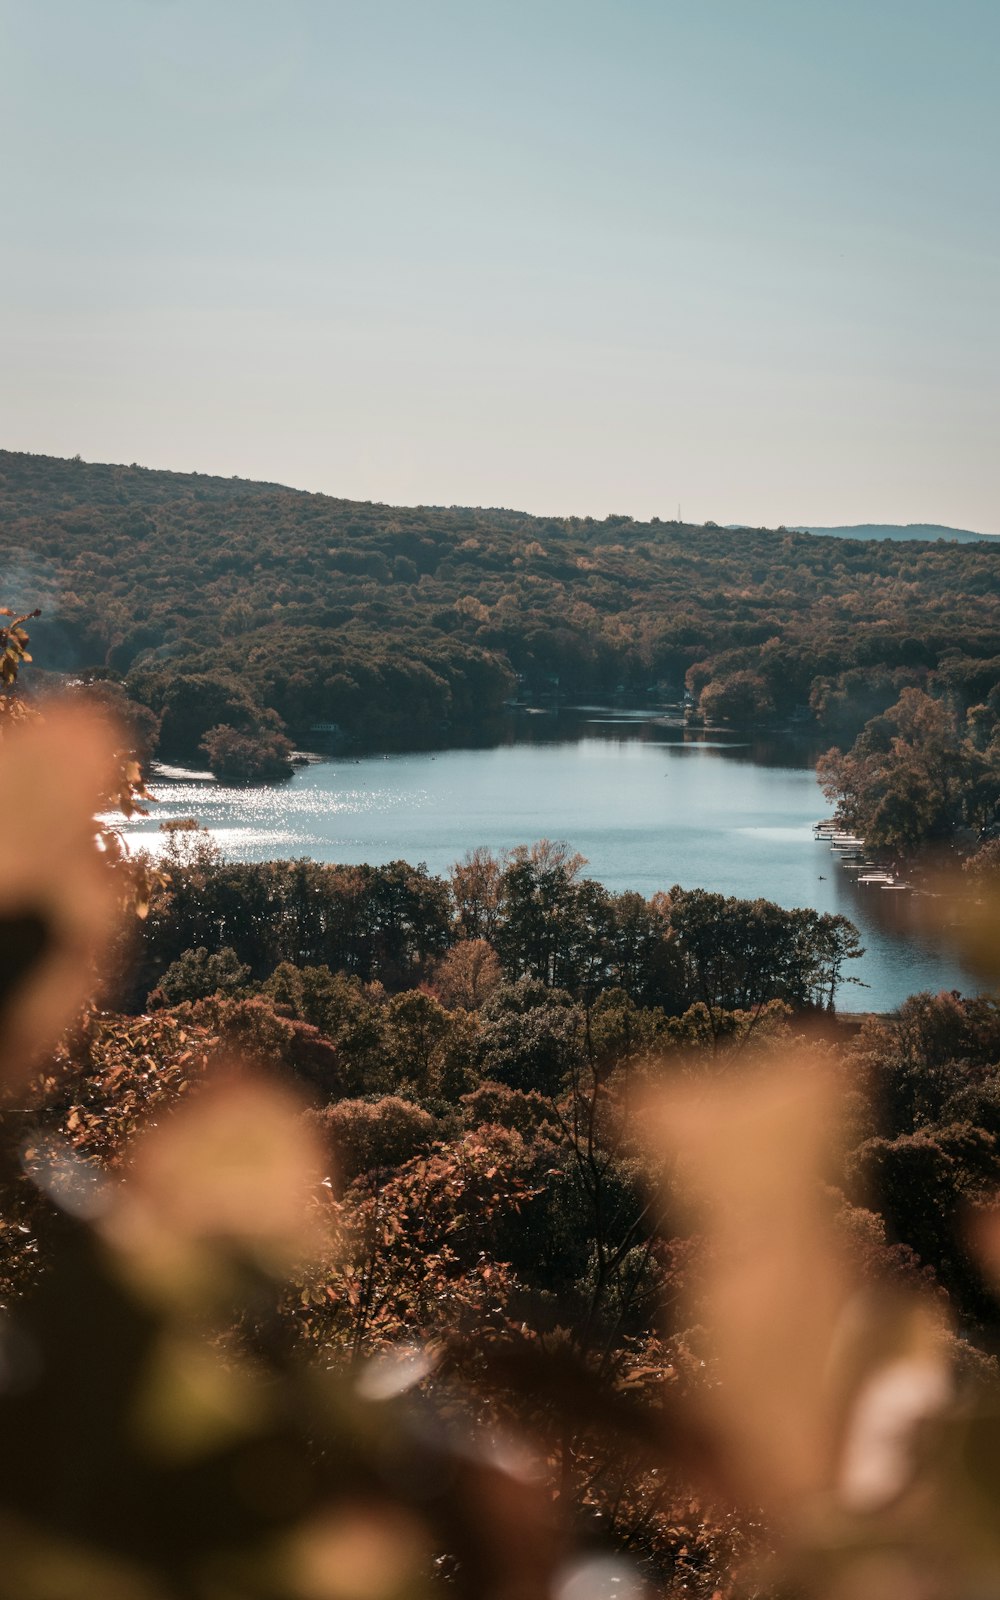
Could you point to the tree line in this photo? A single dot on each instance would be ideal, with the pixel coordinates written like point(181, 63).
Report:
point(529, 913)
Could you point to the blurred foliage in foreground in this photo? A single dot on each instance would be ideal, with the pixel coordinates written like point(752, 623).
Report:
point(675, 1321)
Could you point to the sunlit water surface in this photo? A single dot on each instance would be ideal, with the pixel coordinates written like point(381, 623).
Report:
point(647, 807)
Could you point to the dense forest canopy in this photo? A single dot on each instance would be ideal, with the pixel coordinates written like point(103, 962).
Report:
point(227, 604)
point(529, 911)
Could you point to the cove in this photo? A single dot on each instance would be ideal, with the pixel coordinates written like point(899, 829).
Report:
point(647, 804)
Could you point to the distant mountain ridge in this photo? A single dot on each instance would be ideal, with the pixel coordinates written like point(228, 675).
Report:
point(896, 530)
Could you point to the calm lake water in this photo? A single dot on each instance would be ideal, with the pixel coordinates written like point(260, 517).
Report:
point(648, 806)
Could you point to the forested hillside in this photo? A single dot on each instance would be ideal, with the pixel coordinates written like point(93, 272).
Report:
point(219, 601)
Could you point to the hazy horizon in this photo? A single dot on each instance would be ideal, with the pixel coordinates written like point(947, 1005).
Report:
point(564, 257)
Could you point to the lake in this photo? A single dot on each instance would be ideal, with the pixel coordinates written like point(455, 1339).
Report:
point(647, 804)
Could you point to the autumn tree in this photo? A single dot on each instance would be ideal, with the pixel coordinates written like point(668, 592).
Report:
point(912, 776)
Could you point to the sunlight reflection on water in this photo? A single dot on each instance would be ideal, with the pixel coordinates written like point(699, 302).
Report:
point(645, 813)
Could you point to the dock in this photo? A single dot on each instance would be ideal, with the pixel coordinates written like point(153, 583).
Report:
point(852, 854)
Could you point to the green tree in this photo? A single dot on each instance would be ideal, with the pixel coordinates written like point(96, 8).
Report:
point(913, 775)
point(261, 756)
point(529, 1036)
point(201, 972)
point(415, 1029)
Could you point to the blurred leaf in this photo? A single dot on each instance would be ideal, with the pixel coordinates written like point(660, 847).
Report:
point(358, 1552)
point(748, 1153)
point(57, 896)
point(232, 1172)
point(191, 1400)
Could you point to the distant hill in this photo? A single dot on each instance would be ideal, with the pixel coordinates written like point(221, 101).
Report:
point(220, 602)
point(895, 530)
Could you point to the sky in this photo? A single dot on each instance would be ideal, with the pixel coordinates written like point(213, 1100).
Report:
point(570, 256)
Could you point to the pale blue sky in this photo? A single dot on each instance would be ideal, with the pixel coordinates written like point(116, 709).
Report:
point(566, 255)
